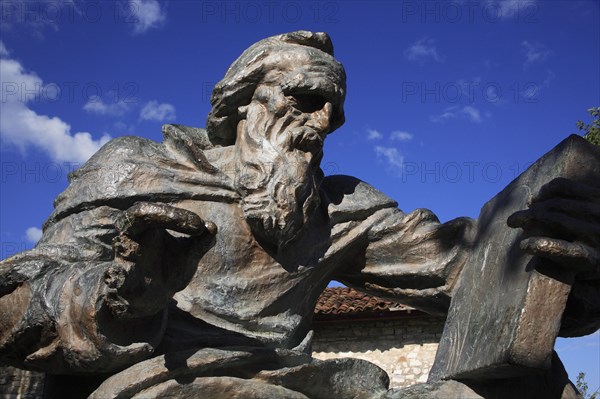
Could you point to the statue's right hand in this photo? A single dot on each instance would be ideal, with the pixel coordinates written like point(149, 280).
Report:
point(150, 263)
point(149, 215)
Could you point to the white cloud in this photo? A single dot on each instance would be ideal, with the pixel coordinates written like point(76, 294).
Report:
point(18, 85)
point(153, 111)
point(401, 136)
point(423, 50)
point(22, 127)
point(515, 8)
point(449, 113)
point(147, 14)
point(534, 52)
point(96, 105)
point(391, 157)
point(3, 50)
point(472, 113)
point(373, 134)
point(33, 234)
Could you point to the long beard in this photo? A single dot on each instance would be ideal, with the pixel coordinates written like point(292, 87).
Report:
point(279, 187)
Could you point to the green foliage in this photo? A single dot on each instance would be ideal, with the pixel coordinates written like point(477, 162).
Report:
point(583, 388)
point(592, 131)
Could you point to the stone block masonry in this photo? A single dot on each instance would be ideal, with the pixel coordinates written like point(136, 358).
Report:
point(405, 348)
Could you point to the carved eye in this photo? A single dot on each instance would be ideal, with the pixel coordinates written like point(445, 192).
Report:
point(307, 103)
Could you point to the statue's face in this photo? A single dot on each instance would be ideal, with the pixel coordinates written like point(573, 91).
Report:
point(303, 119)
point(297, 96)
point(280, 146)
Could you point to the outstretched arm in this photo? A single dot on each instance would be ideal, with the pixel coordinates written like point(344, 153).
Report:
point(414, 259)
point(411, 258)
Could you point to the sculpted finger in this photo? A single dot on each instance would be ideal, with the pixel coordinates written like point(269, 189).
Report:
point(519, 219)
point(574, 255)
point(579, 208)
point(566, 188)
point(146, 215)
point(538, 220)
point(583, 210)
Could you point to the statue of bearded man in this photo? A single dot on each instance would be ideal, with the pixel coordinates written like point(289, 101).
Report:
point(192, 267)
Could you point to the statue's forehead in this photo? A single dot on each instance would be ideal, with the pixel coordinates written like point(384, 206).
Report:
point(291, 54)
point(305, 70)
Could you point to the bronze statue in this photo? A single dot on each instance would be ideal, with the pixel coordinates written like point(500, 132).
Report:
point(203, 256)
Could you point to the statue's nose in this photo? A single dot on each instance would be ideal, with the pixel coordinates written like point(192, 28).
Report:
point(322, 119)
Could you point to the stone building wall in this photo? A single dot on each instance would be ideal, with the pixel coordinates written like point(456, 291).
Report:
point(20, 384)
point(405, 348)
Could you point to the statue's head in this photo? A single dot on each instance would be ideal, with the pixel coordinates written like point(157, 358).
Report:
point(298, 66)
point(276, 104)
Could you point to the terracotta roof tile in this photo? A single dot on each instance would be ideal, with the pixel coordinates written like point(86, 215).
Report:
point(346, 301)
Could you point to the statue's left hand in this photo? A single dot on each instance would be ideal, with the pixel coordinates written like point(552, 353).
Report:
point(562, 224)
point(151, 264)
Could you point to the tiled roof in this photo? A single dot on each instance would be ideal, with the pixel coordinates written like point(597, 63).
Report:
point(347, 301)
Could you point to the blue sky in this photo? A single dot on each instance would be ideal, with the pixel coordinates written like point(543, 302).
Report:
point(447, 101)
